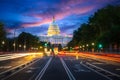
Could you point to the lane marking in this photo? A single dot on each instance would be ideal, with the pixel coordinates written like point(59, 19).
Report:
point(105, 73)
point(5, 67)
point(39, 76)
point(118, 69)
point(97, 63)
point(70, 75)
point(104, 70)
point(28, 71)
point(95, 71)
point(32, 68)
point(79, 68)
point(18, 70)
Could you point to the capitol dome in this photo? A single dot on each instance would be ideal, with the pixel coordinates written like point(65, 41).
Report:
point(53, 29)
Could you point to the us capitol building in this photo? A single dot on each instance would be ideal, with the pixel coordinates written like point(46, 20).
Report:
point(53, 35)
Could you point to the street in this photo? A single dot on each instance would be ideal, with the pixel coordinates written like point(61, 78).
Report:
point(59, 39)
point(58, 68)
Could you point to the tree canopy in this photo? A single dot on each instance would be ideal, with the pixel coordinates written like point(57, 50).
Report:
point(2, 32)
point(102, 27)
point(28, 39)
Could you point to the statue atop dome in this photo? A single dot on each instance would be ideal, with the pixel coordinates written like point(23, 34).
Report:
point(53, 28)
point(53, 19)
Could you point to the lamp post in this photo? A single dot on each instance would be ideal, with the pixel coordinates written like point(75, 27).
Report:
point(83, 47)
point(93, 47)
point(24, 47)
point(87, 46)
point(93, 44)
point(14, 44)
point(80, 47)
point(20, 47)
point(3, 42)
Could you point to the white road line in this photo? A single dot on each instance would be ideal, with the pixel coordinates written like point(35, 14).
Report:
point(95, 71)
point(39, 76)
point(97, 63)
point(104, 70)
point(5, 67)
point(70, 75)
point(118, 69)
point(13, 68)
point(19, 70)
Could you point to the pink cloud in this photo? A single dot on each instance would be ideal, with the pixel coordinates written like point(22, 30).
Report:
point(9, 30)
point(67, 8)
point(59, 15)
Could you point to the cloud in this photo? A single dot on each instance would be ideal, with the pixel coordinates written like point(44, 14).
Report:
point(31, 14)
point(59, 14)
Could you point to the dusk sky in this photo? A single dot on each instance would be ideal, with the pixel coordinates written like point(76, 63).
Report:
point(34, 16)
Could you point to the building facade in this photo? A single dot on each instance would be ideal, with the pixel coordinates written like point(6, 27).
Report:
point(53, 35)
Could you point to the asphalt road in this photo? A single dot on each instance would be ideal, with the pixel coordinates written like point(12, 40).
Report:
point(80, 72)
point(55, 71)
point(107, 65)
point(66, 68)
point(8, 64)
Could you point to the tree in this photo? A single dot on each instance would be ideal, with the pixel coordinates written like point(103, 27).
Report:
point(2, 32)
point(2, 36)
point(102, 27)
point(27, 40)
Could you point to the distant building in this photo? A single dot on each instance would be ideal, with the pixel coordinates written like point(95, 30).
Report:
point(53, 35)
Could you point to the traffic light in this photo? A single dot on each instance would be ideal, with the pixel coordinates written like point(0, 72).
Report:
point(45, 44)
point(71, 48)
point(100, 46)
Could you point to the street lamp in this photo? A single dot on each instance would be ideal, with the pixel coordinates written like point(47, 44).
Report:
point(14, 40)
point(41, 47)
point(24, 47)
point(93, 44)
point(87, 46)
point(3, 42)
point(20, 46)
point(93, 47)
point(14, 44)
point(83, 45)
point(80, 46)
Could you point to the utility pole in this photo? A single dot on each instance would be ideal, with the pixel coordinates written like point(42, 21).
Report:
point(14, 44)
point(24, 46)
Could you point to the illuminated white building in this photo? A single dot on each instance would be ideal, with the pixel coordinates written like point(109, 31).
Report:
point(53, 35)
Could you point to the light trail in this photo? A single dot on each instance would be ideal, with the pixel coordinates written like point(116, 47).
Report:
point(16, 55)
